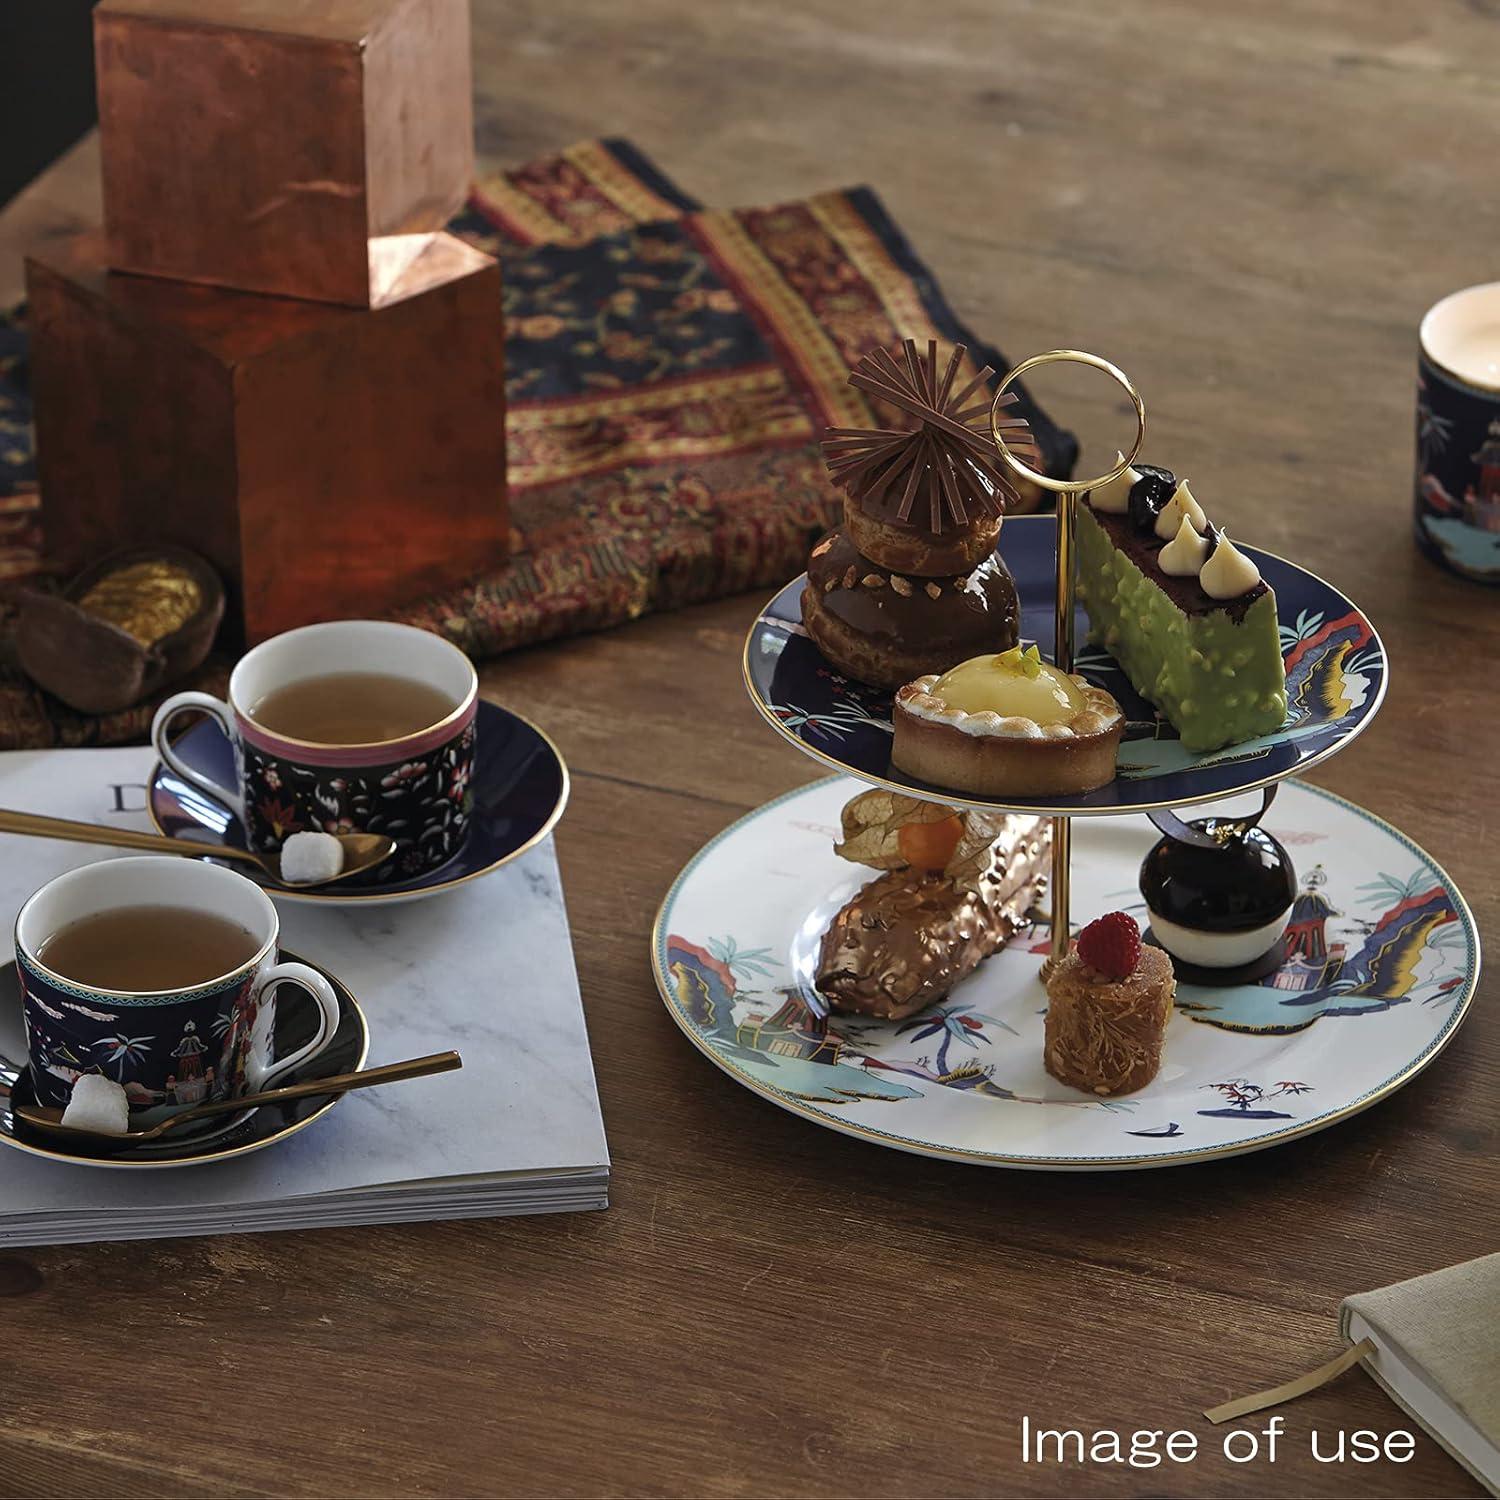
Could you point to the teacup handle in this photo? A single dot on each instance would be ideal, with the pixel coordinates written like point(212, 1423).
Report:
point(181, 703)
point(259, 1076)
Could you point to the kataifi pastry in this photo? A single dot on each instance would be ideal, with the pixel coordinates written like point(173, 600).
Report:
point(911, 582)
point(1108, 1004)
point(955, 887)
point(1179, 606)
point(1007, 725)
point(1219, 892)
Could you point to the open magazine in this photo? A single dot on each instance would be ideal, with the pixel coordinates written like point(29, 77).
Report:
point(486, 968)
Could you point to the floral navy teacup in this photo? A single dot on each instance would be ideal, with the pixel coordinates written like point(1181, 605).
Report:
point(355, 726)
point(161, 974)
point(1458, 433)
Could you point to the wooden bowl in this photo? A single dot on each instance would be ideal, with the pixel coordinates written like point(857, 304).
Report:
point(124, 628)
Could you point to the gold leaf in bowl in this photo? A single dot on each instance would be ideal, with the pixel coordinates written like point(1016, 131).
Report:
point(124, 628)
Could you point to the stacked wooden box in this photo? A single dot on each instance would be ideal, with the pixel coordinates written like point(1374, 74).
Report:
point(272, 353)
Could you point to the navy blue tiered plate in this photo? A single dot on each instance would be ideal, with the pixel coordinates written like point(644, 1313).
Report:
point(520, 789)
point(1335, 667)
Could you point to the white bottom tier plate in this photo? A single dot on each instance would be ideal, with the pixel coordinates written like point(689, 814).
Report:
point(1385, 958)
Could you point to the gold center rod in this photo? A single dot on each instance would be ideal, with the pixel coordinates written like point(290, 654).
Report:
point(1067, 492)
point(1062, 828)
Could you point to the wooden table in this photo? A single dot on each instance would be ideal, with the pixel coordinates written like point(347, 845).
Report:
point(1249, 208)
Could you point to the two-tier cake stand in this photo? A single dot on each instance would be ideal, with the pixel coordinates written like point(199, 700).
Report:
point(1382, 952)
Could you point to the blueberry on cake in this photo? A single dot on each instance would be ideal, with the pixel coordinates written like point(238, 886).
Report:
point(1179, 606)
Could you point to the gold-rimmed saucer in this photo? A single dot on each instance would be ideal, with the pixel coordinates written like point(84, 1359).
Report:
point(216, 1139)
point(520, 788)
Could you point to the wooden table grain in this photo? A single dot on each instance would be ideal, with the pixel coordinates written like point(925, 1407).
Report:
point(1248, 207)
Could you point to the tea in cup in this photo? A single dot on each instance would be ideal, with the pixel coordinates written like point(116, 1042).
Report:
point(1457, 492)
point(161, 974)
point(354, 726)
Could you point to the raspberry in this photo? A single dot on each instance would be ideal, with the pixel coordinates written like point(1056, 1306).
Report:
point(1112, 945)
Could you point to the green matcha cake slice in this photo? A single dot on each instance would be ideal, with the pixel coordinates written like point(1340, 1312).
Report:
point(1184, 612)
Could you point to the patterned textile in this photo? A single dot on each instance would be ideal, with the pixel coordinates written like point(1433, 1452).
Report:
point(20, 534)
point(670, 370)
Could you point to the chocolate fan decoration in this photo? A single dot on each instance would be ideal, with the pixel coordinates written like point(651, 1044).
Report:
point(945, 469)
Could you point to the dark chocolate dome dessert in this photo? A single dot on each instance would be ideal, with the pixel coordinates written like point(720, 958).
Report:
point(1219, 895)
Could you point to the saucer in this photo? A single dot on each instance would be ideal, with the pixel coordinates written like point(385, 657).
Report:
point(520, 789)
point(1335, 681)
point(219, 1137)
point(1379, 970)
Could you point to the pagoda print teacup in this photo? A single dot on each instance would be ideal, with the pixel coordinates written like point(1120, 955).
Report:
point(412, 785)
point(1457, 497)
point(168, 1047)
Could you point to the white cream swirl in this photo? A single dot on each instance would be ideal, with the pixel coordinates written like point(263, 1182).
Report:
point(1185, 555)
point(1169, 520)
point(1114, 497)
point(1190, 503)
point(1228, 573)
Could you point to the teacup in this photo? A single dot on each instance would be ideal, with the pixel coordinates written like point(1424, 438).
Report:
point(176, 1047)
point(414, 788)
point(1457, 498)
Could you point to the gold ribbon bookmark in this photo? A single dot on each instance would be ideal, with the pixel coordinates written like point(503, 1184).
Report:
point(1289, 1390)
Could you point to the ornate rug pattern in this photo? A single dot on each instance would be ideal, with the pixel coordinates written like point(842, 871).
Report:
point(669, 370)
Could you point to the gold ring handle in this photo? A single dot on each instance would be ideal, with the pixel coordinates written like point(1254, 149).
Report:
point(1076, 357)
point(1067, 491)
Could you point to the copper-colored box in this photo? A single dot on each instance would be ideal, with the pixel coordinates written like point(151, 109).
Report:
point(330, 461)
point(282, 146)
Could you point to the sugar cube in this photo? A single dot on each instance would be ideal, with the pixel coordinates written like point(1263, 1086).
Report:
point(308, 858)
point(98, 1104)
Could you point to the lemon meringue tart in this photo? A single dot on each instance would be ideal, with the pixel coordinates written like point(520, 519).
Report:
point(1007, 725)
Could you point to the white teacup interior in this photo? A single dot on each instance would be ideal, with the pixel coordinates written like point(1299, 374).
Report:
point(150, 880)
point(376, 646)
point(1462, 334)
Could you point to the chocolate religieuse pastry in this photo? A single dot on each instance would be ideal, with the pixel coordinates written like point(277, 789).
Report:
point(956, 887)
point(911, 582)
